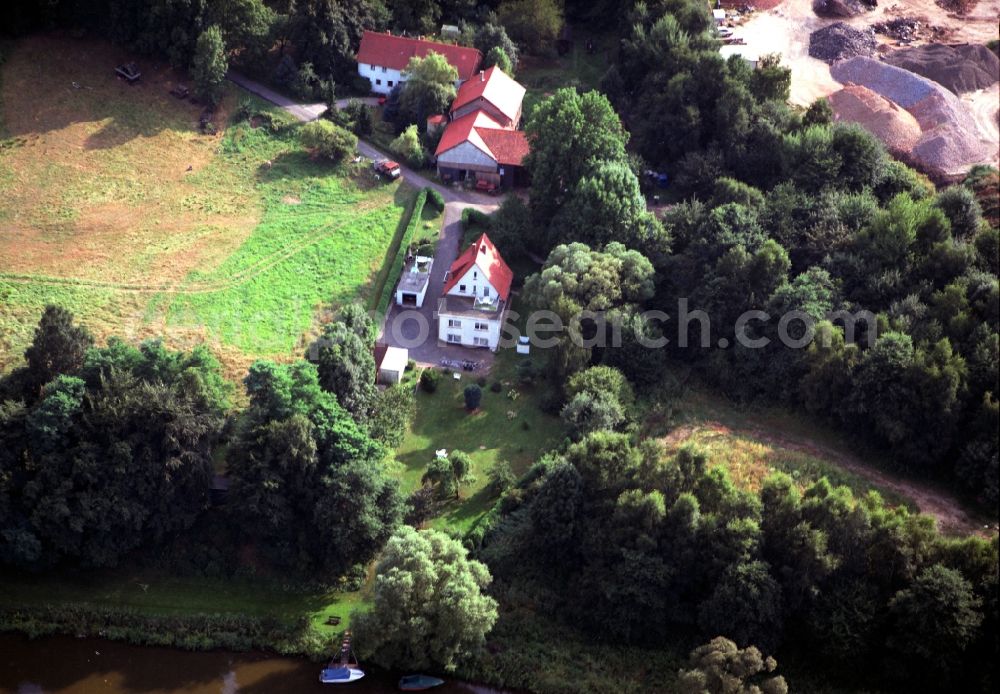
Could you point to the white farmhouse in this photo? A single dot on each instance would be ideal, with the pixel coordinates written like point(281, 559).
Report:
point(382, 58)
point(474, 301)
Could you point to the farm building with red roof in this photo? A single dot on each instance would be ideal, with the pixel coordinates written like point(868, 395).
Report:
point(482, 141)
point(474, 298)
point(383, 58)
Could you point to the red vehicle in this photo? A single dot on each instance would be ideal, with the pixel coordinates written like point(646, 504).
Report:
point(387, 168)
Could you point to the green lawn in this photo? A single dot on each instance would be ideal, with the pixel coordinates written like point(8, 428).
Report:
point(488, 435)
point(116, 207)
point(156, 594)
point(578, 68)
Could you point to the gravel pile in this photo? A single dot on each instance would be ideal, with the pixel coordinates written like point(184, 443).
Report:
point(893, 125)
point(960, 68)
point(949, 142)
point(840, 41)
point(895, 84)
point(842, 8)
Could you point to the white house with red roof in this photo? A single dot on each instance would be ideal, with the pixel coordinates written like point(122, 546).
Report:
point(383, 58)
point(482, 141)
point(474, 301)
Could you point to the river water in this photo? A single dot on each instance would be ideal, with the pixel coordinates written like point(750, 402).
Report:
point(65, 665)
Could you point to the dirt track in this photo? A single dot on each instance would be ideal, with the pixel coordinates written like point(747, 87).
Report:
point(944, 507)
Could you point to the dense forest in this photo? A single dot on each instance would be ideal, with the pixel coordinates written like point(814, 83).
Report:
point(106, 452)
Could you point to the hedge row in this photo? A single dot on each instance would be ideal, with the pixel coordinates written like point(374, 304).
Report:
point(435, 200)
point(190, 632)
point(398, 249)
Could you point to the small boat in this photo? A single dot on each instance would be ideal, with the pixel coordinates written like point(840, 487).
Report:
point(340, 675)
point(344, 669)
point(419, 683)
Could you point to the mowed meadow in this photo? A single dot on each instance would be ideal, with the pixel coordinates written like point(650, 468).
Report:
point(114, 205)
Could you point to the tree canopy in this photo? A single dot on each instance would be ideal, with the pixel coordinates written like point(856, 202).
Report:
point(429, 607)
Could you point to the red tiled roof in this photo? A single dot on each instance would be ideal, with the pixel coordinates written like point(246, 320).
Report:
point(509, 147)
point(495, 87)
point(483, 254)
point(467, 128)
point(395, 52)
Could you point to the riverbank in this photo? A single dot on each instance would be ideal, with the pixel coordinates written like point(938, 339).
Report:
point(64, 665)
point(194, 613)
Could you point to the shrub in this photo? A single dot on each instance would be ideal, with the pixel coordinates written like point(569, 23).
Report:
point(481, 381)
point(501, 478)
point(209, 65)
point(328, 140)
point(408, 146)
point(360, 117)
point(472, 217)
point(429, 380)
point(435, 199)
point(410, 365)
point(473, 396)
point(420, 505)
point(496, 386)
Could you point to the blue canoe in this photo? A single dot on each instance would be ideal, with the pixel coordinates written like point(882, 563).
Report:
point(419, 683)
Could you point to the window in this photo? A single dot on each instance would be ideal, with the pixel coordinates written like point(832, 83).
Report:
point(475, 275)
point(389, 83)
point(480, 342)
point(454, 338)
point(486, 291)
point(383, 68)
point(454, 323)
point(482, 326)
point(378, 82)
point(372, 67)
point(461, 287)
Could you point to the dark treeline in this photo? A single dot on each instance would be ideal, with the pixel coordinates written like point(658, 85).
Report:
point(108, 454)
point(776, 210)
point(779, 211)
point(305, 46)
point(651, 550)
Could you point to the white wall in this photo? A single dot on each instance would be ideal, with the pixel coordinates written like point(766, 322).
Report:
point(420, 295)
point(466, 330)
point(377, 73)
point(476, 285)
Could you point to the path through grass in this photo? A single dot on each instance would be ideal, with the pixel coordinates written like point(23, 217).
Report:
point(121, 211)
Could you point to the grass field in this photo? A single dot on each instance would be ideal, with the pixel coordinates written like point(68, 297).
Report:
point(753, 444)
point(158, 594)
point(488, 435)
point(118, 208)
point(578, 68)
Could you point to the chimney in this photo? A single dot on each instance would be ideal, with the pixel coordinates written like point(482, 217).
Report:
point(482, 75)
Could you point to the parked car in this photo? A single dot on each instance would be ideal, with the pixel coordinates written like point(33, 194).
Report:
point(387, 168)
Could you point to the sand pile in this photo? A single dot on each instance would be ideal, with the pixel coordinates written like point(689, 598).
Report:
point(949, 142)
point(840, 41)
point(893, 125)
point(960, 68)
